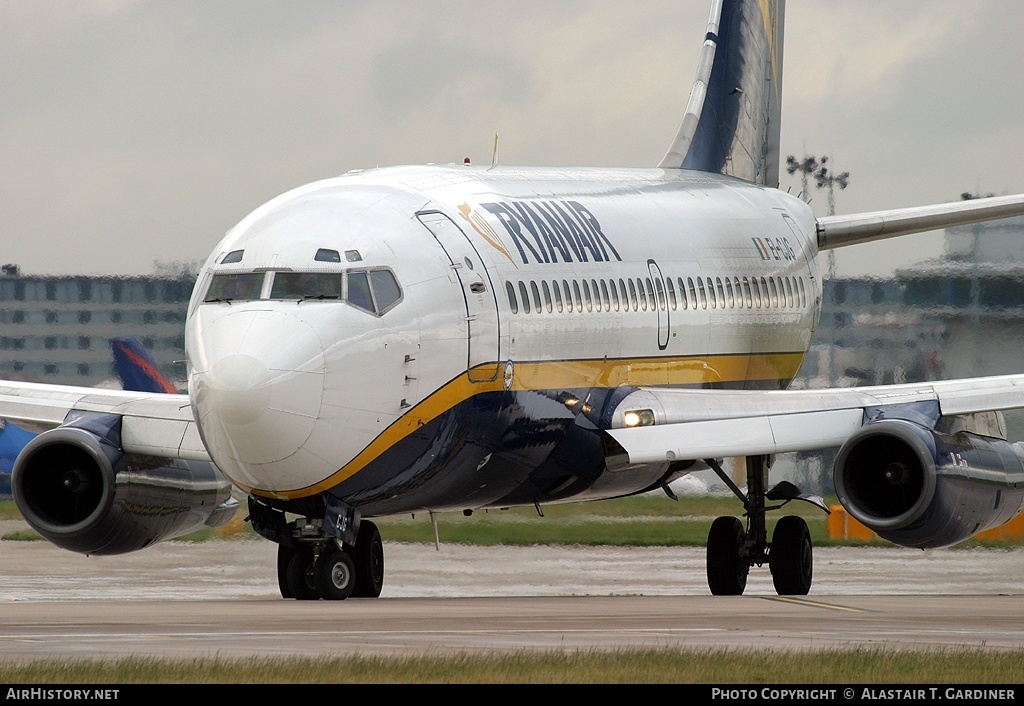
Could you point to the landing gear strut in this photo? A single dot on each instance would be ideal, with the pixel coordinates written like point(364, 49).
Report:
point(732, 550)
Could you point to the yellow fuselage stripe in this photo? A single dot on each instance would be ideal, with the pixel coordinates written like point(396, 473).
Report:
point(690, 371)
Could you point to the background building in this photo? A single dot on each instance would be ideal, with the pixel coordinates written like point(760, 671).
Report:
point(58, 329)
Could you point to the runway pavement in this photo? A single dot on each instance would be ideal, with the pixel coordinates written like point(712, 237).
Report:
point(221, 598)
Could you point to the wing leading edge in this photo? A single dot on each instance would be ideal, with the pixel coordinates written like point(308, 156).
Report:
point(840, 231)
point(153, 424)
point(699, 424)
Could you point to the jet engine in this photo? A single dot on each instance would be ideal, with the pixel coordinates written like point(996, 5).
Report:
point(78, 489)
point(922, 487)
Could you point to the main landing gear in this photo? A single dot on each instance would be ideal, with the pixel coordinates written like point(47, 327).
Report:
point(733, 549)
point(326, 569)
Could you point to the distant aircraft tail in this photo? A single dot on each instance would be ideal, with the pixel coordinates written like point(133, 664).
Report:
point(12, 441)
point(138, 372)
point(137, 368)
point(732, 121)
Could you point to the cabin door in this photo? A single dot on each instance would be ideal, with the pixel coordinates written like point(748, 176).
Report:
point(478, 295)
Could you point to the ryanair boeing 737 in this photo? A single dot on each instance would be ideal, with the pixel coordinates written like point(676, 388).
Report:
point(440, 338)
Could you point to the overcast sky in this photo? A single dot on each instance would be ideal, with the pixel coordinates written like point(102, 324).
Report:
point(133, 132)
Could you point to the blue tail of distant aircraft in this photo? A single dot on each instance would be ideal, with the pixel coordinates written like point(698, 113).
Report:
point(12, 441)
point(137, 368)
point(138, 372)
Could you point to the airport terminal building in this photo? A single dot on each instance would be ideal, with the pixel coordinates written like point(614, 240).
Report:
point(57, 329)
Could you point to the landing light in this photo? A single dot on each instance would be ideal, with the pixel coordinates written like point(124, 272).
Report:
point(639, 418)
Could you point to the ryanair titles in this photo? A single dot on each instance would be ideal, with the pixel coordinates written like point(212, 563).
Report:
point(553, 231)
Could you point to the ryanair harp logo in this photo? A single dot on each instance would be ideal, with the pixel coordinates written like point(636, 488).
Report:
point(543, 231)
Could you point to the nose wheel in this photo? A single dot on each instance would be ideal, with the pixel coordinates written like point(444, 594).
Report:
point(322, 569)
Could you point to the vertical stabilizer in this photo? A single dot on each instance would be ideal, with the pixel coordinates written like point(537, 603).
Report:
point(732, 121)
point(137, 368)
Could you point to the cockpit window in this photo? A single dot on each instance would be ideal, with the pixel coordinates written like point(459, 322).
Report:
point(235, 287)
point(385, 289)
point(233, 256)
point(359, 290)
point(326, 255)
point(306, 285)
point(375, 291)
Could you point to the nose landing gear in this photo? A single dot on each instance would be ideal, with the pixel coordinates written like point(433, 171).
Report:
point(323, 569)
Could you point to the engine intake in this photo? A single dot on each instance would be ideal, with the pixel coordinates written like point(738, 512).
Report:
point(920, 487)
point(79, 490)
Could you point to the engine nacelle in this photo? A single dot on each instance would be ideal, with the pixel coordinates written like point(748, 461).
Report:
point(919, 487)
point(80, 491)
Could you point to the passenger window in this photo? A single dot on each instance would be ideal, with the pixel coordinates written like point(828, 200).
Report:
point(659, 293)
point(703, 294)
point(729, 301)
point(577, 296)
point(558, 296)
point(597, 295)
point(586, 296)
point(568, 296)
point(693, 292)
point(536, 296)
point(632, 296)
point(605, 297)
point(683, 303)
point(511, 291)
point(615, 295)
point(671, 293)
point(525, 296)
point(235, 287)
point(547, 295)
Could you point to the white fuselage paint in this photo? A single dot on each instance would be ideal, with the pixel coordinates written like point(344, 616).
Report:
point(294, 396)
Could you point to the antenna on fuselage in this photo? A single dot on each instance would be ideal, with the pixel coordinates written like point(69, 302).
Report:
point(494, 153)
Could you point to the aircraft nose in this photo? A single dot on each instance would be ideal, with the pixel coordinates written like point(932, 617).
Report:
point(256, 387)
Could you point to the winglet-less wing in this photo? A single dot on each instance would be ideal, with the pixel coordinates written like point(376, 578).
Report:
point(840, 231)
point(922, 465)
point(112, 471)
point(153, 424)
point(698, 424)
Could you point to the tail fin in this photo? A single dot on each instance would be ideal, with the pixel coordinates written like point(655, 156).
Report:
point(137, 368)
point(732, 121)
point(12, 441)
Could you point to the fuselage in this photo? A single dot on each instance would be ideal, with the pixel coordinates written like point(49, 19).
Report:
point(405, 336)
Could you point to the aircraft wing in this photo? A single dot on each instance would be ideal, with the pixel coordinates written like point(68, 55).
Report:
point(680, 424)
point(153, 424)
point(840, 231)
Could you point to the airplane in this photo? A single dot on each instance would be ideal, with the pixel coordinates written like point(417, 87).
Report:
point(460, 338)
